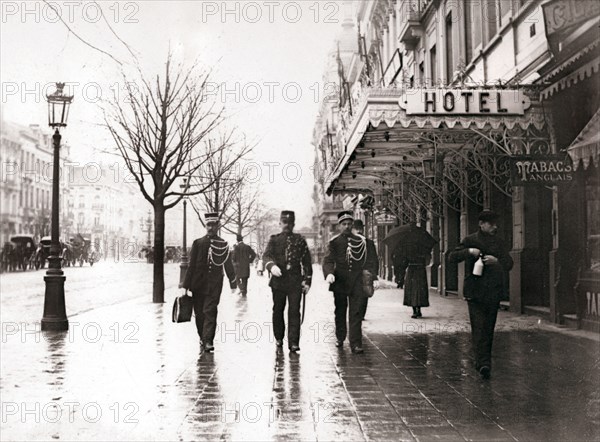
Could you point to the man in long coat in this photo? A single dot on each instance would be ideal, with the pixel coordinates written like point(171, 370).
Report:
point(243, 255)
point(204, 277)
point(343, 266)
point(484, 292)
point(288, 260)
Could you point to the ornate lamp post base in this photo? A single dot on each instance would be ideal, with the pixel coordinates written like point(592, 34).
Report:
point(55, 315)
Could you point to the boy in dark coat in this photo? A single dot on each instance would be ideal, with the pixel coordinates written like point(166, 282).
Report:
point(484, 292)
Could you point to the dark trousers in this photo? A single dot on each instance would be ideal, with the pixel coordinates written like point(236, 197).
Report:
point(242, 283)
point(294, 296)
point(206, 303)
point(356, 302)
point(483, 320)
point(363, 310)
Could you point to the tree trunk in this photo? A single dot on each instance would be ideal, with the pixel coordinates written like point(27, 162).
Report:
point(158, 288)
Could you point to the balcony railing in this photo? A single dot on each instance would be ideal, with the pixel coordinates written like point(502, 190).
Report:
point(411, 28)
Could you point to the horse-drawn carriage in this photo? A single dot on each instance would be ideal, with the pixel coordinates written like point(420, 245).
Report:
point(81, 251)
point(18, 253)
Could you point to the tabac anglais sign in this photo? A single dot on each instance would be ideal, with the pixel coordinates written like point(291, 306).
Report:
point(549, 171)
point(481, 102)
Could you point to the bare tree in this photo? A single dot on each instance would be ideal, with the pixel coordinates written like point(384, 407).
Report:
point(163, 130)
point(245, 212)
point(225, 180)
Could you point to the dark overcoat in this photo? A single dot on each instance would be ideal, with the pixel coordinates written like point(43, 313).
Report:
point(242, 256)
point(490, 286)
point(201, 272)
point(409, 268)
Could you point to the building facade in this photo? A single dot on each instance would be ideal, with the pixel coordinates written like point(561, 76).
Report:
point(445, 108)
point(26, 156)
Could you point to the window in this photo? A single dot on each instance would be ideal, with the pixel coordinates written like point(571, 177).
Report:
point(433, 62)
point(472, 28)
point(422, 73)
point(449, 49)
point(490, 19)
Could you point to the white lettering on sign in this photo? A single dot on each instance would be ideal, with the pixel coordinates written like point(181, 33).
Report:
point(464, 102)
point(543, 170)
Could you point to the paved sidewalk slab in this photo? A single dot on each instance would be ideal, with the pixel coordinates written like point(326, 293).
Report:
point(126, 372)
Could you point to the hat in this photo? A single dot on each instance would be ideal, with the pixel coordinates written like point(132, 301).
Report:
point(487, 216)
point(358, 224)
point(288, 215)
point(345, 215)
point(240, 238)
point(212, 217)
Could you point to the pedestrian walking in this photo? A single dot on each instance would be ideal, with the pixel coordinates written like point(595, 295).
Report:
point(411, 251)
point(343, 266)
point(243, 255)
point(358, 229)
point(288, 260)
point(204, 277)
point(487, 261)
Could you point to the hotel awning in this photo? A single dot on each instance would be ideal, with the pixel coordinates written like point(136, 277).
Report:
point(373, 148)
point(586, 146)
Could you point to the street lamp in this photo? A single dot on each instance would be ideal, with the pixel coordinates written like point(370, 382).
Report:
point(55, 314)
point(184, 257)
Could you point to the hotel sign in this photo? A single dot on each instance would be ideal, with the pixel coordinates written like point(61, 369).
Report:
point(481, 102)
point(549, 171)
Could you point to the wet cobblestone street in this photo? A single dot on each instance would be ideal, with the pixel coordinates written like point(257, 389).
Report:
point(126, 372)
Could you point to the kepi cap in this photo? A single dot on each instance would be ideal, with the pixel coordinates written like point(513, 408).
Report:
point(212, 217)
point(240, 238)
point(288, 215)
point(345, 215)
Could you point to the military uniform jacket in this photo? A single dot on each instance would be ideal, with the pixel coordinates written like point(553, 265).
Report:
point(490, 286)
point(290, 253)
point(208, 258)
point(242, 256)
point(342, 264)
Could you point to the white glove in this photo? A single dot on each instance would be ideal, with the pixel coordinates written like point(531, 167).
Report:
point(276, 271)
point(375, 285)
point(330, 279)
point(305, 288)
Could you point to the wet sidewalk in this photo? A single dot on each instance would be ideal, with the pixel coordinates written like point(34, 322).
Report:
point(126, 372)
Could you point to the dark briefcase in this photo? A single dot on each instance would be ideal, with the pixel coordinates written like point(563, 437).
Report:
point(183, 306)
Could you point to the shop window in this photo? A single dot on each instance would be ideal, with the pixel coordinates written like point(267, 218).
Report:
point(592, 197)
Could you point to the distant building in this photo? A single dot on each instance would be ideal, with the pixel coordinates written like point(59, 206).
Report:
point(26, 158)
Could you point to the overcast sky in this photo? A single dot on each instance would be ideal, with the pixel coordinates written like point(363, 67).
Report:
point(269, 56)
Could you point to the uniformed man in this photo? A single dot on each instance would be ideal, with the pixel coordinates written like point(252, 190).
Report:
point(204, 277)
point(372, 264)
point(343, 266)
point(288, 260)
